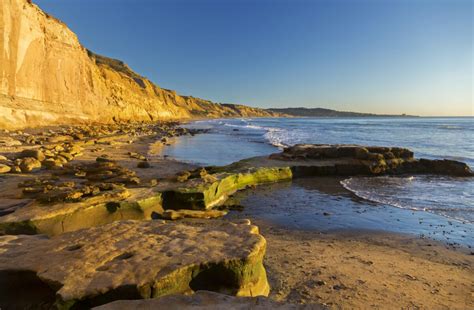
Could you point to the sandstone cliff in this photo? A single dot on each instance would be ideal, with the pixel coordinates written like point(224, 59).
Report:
point(47, 77)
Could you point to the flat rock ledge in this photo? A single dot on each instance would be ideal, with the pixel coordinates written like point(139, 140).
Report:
point(350, 160)
point(130, 260)
point(206, 300)
point(197, 193)
point(200, 194)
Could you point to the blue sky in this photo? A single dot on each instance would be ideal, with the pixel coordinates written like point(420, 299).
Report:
point(392, 56)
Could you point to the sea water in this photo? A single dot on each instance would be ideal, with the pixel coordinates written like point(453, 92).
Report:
point(452, 198)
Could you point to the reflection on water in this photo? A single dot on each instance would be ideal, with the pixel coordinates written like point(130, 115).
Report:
point(215, 149)
point(452, 197)
point(322, 204)
point(302, 205)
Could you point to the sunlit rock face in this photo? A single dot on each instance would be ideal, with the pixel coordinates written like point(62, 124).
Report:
point(48, 77)
point(206, 300)
point(130, 260)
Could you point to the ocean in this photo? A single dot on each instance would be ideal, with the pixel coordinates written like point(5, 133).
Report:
point(447, 198)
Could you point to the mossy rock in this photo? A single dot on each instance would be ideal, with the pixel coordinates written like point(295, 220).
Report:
point(68, 217)
point(133, 260)
point(205, 195)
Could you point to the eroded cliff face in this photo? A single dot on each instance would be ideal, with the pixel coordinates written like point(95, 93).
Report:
point(47, 77)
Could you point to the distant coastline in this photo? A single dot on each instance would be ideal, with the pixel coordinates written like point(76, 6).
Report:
point(321, 112)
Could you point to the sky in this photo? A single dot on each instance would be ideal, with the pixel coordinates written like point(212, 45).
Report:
point(378, 56)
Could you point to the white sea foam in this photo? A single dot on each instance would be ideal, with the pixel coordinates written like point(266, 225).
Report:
point(248, 126)
point(275, 136)
point(413, 193)
point(360, 188)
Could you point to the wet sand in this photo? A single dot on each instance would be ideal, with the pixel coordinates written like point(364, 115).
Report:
point(326, 245)
point(323, 204)
point(360, 270)
point(332, 261)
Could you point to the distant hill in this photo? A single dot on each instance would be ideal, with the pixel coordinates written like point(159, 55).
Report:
point(320, 112)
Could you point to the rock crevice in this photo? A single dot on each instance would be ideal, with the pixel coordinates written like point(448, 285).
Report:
point(133, 260)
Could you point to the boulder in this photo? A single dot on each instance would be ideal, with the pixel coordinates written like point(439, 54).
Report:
point(30, 140)
point(60, 194)
point(36, 153)
point(183, 176)
point(78, 136)
point(16, 169)
point(9, 142)
point(66, 155)
point(361, 153)
point(104, 159)
point(49, 154)
point(59, 138)
point(334, 151)
point(60, 159)
point(143, 164)
point(4, 168)
point(28, 164)
point(445, 166)
point(349, 160)
point(131, 260)
point(52, 163)
point(200, 194)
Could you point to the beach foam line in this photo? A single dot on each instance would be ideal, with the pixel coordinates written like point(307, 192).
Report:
point(373, 196)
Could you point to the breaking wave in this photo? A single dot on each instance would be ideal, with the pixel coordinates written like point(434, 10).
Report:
point(449, 197)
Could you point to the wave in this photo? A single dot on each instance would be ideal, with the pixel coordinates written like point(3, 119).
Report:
point(451, 127)
point(405, 193)
point(272, 135)
point(248, 126)
point(351, 185)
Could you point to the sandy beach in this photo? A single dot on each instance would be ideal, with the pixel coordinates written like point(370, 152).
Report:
point(339, 268)
point(230, 155)
point(355, 269)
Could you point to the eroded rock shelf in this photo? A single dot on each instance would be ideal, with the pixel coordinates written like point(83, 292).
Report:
point(133, 260)
point(102, 199)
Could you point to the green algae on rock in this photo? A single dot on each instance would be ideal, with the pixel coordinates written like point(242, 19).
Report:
point(133, 260)
point(197, 194)
point(137, 204)
point(350, 160)
point(58, 218)
point(201, 189)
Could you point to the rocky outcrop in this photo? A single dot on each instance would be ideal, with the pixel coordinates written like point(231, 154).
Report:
point(130, 260)
point(61, 206)
point(47, 77)
point(350, 160)
point(90, 194)
point(209, 190)
point(206, 300)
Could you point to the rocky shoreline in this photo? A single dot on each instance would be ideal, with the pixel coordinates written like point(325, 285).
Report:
point(79, 185)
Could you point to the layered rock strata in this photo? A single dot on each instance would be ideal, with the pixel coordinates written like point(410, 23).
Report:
point(47, 77)
point(348, 160)
point(71, 204)
point(117, 202)
point(130, 260)
point(202, 193)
